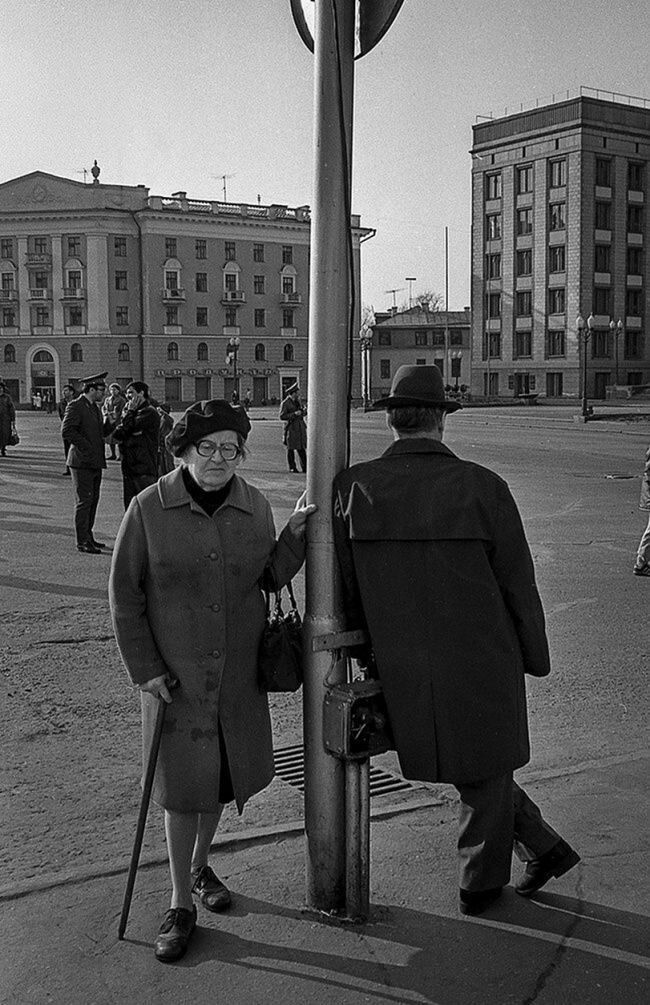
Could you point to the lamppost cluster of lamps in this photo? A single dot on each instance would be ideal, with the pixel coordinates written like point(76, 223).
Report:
point(585, 330)
point(233, 348)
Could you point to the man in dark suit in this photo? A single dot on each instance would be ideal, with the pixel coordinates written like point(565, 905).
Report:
point(68, 393)
point(83, 429)
point(436, 568)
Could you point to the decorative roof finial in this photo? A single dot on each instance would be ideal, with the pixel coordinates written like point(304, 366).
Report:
point(95, 173)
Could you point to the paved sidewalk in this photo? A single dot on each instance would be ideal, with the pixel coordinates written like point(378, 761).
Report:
point(585, 939)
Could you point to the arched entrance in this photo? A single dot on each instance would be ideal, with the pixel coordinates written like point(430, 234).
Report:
point(43, 373)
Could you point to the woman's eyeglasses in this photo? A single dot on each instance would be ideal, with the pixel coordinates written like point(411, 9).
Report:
point(227, 451)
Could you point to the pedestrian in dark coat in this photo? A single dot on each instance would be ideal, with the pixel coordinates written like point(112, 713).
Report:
point(642, 565)
point(137, 433)
point(68, 393)
point(112, 409)
point(186, 600)
point(7, 419)
point(292, 413)
point(83, 428)
point(437, 570)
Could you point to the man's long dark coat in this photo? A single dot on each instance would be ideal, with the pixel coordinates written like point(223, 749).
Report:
point(436, 566)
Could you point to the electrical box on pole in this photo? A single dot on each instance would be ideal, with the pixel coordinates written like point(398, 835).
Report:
point(336, 798)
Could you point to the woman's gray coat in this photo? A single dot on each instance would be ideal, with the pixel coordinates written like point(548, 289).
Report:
point(185, 598)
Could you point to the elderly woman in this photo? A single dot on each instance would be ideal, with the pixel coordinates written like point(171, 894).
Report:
point(186, 600)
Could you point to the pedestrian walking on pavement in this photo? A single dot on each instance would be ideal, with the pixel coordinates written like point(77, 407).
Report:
point(84, 429)
point(7, 419)
point(165, 457)
point(437, 570)
point(292, 413)
point(185, 598)
point(642, 565)
point(112, 409)
point(68, 393)
point(137, 434)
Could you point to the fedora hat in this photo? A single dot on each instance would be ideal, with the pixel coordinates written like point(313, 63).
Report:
point(421, 386)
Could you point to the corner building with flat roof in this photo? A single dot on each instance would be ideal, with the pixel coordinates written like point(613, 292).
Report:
point(559, 232)
point(195, 297)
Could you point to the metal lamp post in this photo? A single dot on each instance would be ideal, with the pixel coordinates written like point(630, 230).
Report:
point(584, 329)
point(616, 327)
point(456, 354)
point(365, 342)
point(233, 348)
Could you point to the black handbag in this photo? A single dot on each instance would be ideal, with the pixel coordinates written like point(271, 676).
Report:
point(280, 653)
point(14, 438)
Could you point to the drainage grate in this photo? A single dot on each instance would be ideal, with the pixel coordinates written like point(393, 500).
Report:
point(290, 767)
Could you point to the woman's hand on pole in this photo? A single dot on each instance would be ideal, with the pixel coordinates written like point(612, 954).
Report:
point(157, 686)
point(301, 513)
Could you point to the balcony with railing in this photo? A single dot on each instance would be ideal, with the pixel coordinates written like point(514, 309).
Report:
point(8, 295)
point(291, 298)
point(39, 293)
point(288, 332)
point(233, 297)
point(38, 258)
point(73, 293)
point(174, 294)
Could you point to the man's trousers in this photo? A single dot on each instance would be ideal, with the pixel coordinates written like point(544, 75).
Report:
point(87, 483)
point(497, 817)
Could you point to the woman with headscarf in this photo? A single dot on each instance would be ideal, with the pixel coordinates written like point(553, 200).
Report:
point(186, 601)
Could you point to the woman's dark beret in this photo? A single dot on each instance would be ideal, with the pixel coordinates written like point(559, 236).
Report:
point(203, 418)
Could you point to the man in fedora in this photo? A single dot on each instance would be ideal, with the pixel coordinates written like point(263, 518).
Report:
point(437, 570)
point(84, 429)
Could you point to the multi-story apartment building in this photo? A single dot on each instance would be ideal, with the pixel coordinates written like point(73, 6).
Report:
point(560, 232)
point(416, 336)
point(195, 297)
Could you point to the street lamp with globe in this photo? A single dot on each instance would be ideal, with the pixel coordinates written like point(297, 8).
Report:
point(233, 348)
point(585, 331)
point(616, 327)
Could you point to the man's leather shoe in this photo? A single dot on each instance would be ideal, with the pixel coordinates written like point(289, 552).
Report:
point(174, 934)
point(476, 901)
point(212, 893)
point(97, 544)
point(89, 548)
point(554, 863)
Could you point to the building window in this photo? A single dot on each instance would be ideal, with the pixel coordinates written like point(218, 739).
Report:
point(75, 316)
point(556, 299)
point(260, 317)
point(201, 317)
point(260, 353)
point(6, 247)
point(201, 282)
point(493, 186)
point(602, 300)
point(10, 354)
point(555, 344)
point(288, 317)
point(287, 254)
point(557, 258)
point(603, 171)
point(40, 280)
point(493, 226)
point(171, 314)
point(634, 303)
point(8, 317)
point(384, 369)
point(120, 280)
point(493, 305)
point(172, 351)
point(258, 252)
point(524, 262)
point(525, 179)
point(229, 251)
point(7, 281)
point(42, 315)
point(557, 174)
point(119, 247)
point(287, 353)
point(557, 216)
point(288, 284)
point(122, 315)
point(124, 353)
point(420, 338)
point(523, 304)
point(602, 258)
point(200, 248)
point(633, 345)
point(601, 345)
point(522, 345)
point(259, 284)
point(74, 247)
point(493, 266)
point(491, 345)
point(230, 317)
point(384, 338)
point(603, 216)
point(230, 282)
point(73, 279)
point(76, 353)
point(202, 352)
point(636, 176)
point(171, 247)
point(40, 245)
point(524, 221)
point(554, 385)
point(635, 219)
point(634, 262)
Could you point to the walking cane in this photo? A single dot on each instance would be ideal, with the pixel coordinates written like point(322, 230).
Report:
point(144, 806)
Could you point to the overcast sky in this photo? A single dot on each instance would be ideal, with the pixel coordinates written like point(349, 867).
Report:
point(172, 95)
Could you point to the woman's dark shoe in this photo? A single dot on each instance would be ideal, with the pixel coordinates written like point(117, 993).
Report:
point(174, 934)
point(476, 901)
point(89, 548)
point(212, 893)
point(554, 863)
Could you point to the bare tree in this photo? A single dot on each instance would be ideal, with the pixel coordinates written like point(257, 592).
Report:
point(428, 301)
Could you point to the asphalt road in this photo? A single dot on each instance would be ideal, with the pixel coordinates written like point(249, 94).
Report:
point(70, 742)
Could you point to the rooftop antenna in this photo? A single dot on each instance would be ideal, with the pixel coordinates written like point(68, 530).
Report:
point(223, 178)
point(84, 172)
point(398, 290)
point(410, 280)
